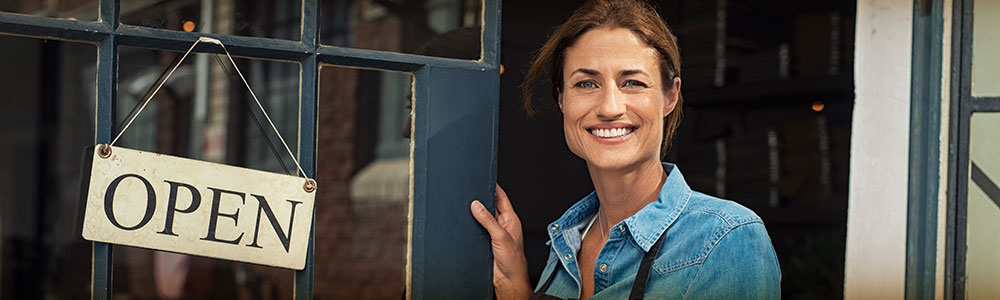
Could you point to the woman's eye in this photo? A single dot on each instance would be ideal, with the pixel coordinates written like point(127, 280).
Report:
point(586, 84)
point(633, 83)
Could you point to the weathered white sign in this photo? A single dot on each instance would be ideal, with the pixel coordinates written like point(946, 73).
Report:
point(182, 205)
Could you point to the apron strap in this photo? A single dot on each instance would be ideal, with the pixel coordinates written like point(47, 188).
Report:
point(642, 276)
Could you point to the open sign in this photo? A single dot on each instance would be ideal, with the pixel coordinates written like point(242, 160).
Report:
point(188, 206)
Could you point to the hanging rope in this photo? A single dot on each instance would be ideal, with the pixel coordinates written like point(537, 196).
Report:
point(247, 84)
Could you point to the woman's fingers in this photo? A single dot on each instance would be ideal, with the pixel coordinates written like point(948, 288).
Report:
point(510, 269)
point(503, 203)
point(486, 219)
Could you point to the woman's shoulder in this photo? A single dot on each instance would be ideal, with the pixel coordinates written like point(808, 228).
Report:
point(708, 223)
point(729, 213)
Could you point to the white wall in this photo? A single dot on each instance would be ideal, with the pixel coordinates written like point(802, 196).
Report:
point(877, 204)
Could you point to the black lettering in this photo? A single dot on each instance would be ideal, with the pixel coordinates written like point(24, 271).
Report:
point(168, 225)
point(266, 209)
point(109, 200)
point(213, 219)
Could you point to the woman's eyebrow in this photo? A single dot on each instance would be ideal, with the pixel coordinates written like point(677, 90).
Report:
point(586, 71)
point(631, 72)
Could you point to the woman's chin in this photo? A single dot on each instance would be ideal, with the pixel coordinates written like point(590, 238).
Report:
point(614, 161)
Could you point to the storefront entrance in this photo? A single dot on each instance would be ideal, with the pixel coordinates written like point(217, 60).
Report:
point(390, 105)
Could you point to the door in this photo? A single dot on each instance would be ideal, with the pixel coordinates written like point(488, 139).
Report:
point(336, 77)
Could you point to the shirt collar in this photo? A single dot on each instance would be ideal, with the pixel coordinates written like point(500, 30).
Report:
point(646, 225)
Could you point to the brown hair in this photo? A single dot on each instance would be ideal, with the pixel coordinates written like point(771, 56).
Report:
point(636, 15)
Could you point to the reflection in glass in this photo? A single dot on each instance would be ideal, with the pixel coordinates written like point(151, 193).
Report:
point(363, 160)
point(83, 10)
point(982, 260)
point(46, 120)
point(408, 26)
point(205, 112)
point(985, 46)
point(271, 19)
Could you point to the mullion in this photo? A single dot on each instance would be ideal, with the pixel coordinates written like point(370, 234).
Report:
point(310, 23)
point(107, 74)
point(491, 32)
point(308, 101)
point(308, 97)
point(391, 61)
point(984, 104)
point(59, 29)
point(954, 137)
point(966, 104)
point(250, 47)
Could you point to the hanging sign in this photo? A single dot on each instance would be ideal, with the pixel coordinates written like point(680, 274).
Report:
point(182, 205)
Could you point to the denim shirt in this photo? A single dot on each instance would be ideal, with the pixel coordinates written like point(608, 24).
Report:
point(713, 249)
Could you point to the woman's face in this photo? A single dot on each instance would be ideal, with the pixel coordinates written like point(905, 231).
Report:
point(613, 99)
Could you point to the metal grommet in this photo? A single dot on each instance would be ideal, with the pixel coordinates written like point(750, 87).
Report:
point(568, 257)
point(554, 227)
point(103, 150)
point(310, 186)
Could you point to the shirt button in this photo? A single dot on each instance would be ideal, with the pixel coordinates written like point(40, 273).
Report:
point(568, 257)
point(621, 227)
point(604, 268)
point(554, 227)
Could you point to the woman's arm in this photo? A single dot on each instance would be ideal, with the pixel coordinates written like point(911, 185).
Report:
point(510, 268)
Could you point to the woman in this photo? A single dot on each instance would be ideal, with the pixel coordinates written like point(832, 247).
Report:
point(615, 72)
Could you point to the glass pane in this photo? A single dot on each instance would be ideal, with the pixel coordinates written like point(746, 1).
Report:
point(205, 112)
point(83, 10)
point(363, 161)
point(46, 120)
point(982, 260)
point(271, 19)
point(444, 28)
point(985, 45)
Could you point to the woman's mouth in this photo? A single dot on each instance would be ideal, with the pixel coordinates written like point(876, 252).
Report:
point(611, 132)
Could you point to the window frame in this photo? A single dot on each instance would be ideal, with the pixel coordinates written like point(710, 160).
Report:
point(924, 149)
point(449, 253)
point(963, 106)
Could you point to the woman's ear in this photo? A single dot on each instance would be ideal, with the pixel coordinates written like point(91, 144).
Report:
point(560, 100)
point(672, 96)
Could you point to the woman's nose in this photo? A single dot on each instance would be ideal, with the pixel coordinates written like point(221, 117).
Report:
point(612, 105)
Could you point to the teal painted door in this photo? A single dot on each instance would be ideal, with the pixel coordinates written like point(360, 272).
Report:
point(452, 146)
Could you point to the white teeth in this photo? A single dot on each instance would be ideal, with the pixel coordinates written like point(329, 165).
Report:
point(611, 133)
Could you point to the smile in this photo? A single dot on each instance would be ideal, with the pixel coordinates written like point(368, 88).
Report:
point(611, 132)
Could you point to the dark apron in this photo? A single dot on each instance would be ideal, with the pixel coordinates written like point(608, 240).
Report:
point(638, 286)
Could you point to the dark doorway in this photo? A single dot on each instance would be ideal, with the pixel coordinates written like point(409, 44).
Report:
point(768, 91)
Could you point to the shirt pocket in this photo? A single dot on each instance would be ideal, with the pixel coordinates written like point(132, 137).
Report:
point(667, 264)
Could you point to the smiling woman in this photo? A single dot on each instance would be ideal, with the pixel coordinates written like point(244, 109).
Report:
point(615, 72)
point(614, 100)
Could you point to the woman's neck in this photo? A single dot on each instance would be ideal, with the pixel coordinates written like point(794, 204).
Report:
point(623, 192)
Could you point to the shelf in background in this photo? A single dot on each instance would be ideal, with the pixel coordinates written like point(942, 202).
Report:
point(769, 93)
point(782, 217)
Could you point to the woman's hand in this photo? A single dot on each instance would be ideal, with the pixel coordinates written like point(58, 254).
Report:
point(510, 268)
